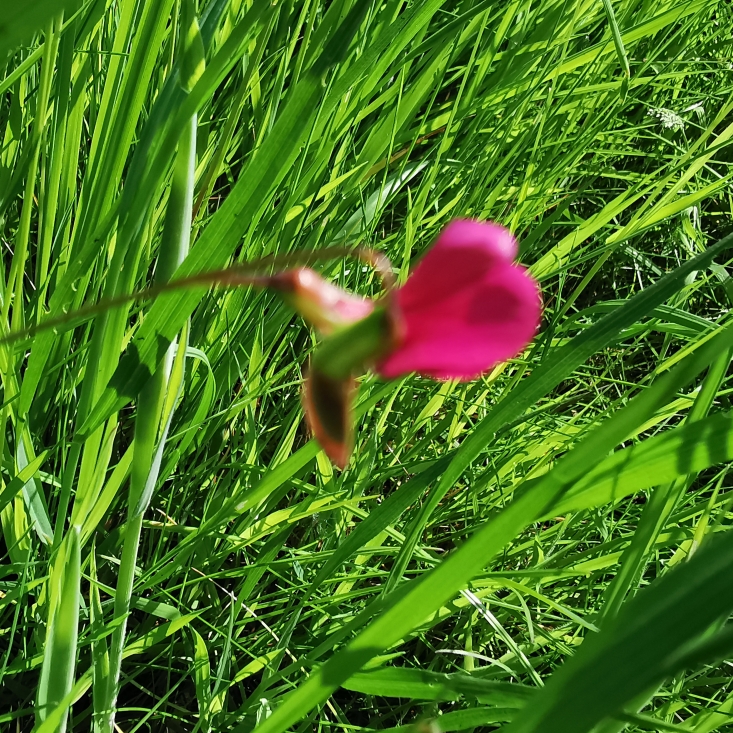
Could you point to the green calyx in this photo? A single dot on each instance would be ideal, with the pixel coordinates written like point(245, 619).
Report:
point(351, 348)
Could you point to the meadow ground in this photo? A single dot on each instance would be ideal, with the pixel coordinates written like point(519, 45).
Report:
point(178, 555)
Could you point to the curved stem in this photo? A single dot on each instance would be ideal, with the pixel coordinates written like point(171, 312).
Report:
point(234, 276)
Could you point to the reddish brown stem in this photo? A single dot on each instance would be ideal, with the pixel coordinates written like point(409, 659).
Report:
point(248, 274)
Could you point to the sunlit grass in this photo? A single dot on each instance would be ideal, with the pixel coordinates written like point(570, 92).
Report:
point(177, 554)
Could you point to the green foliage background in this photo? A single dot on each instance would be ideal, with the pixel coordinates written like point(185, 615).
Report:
point(177, 554)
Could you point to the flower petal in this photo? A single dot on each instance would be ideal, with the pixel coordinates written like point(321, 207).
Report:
point(322, 304)
point(466, 307)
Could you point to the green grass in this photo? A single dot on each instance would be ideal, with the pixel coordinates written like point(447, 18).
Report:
point(545, 549)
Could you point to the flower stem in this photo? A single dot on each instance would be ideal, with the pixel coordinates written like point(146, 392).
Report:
point(235, 276)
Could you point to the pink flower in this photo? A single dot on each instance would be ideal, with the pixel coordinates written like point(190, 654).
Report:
point(465, 308)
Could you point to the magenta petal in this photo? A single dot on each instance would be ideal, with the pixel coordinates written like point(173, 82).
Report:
point(466, 308)
point(351, 308)
point(492, 239)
